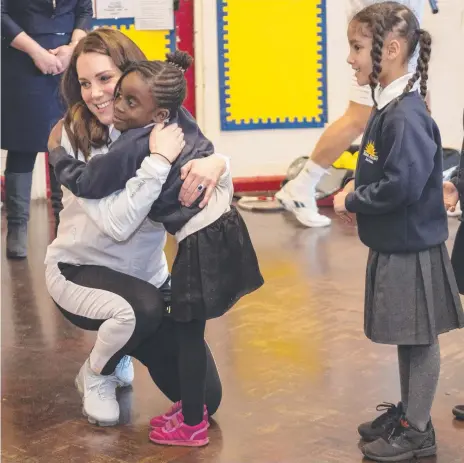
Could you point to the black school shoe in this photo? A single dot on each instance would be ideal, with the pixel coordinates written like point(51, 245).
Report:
point(404, 443)
point(458, 412)
point(384, 424)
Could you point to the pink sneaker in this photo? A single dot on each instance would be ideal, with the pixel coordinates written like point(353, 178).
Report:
point(171, 416)
point(160, 420)
point(182, 434)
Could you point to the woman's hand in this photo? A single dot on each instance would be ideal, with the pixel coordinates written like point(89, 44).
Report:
point(64, 54)
point(167, 142)
point(47, 62)
point(450, 196)
point(198, 175)
point(54, 139)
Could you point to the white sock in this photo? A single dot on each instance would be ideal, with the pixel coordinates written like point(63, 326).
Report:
point(305, 182)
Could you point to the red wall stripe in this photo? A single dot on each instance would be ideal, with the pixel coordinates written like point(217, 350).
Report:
point(185, 42)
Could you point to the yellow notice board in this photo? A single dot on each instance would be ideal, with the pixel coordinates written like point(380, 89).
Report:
point(155, 44)
point(272, 63)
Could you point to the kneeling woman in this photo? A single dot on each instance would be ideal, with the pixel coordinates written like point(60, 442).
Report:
point(106, 270)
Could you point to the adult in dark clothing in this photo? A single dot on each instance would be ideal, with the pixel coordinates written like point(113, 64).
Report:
point(453, 192)
point(38, 38)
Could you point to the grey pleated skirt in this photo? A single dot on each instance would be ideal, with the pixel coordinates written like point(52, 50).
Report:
point(411, 298)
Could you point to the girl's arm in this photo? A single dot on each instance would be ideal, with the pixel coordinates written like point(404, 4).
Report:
point(103, 174)
point(121, 213)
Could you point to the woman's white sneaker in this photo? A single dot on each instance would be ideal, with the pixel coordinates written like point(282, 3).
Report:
point(98, 394)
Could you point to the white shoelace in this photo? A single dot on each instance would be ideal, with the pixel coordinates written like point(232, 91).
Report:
point(106, 387)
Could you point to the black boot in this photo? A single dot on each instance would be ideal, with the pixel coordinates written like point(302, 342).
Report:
point(18, 199)
point(458, 412)
point(404, 443)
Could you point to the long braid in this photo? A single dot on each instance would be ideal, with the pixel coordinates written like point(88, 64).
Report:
point(425, 43)
point(415, 77)
point(422, 68)
point(378, 34)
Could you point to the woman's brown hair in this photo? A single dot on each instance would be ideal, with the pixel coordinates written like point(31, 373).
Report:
point(84, 130)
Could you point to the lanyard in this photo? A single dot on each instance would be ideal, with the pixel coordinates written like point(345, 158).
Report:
point(54, 4)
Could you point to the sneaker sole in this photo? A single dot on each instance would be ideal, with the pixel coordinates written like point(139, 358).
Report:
point(182, 443)
point(91, 419)
point(102, 424)
point(306, 223)
point(313, 224)
point(428, 452)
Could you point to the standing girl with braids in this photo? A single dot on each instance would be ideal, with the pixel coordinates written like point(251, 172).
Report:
point(411, 293)
point(215, 265)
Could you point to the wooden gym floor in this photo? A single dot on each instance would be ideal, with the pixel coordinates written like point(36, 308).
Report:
point(298, 373)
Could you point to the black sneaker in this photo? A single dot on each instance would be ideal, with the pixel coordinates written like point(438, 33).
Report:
point(404, 443)
point(458, 412)
point(384, 424)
